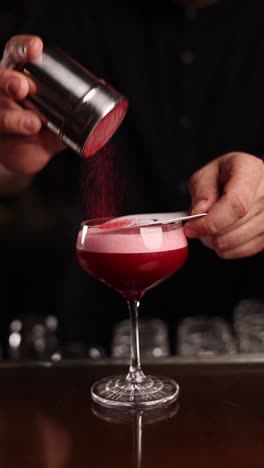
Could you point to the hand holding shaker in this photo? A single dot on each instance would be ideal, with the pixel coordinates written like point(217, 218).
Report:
point(83, 110)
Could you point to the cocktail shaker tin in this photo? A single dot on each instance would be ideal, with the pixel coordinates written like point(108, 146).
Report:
point(83, 110)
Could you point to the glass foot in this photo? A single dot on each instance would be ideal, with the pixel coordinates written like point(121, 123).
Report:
point(119, 391)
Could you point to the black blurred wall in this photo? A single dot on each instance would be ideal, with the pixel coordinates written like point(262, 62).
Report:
point(11, 14)
point(38, 227)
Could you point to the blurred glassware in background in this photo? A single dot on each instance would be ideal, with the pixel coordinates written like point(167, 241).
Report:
point(248, 320)
point(203, 335)
point(81, 350)
point(153, 337)
point(34, 337)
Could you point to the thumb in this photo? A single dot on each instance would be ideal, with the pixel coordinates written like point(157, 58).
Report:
point(204, 188)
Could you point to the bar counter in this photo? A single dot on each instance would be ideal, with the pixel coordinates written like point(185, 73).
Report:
point(47, 419)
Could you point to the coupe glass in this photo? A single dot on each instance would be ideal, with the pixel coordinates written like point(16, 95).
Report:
point(132, 255)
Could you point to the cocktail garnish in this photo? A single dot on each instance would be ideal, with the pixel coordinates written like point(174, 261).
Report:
point(117, 223)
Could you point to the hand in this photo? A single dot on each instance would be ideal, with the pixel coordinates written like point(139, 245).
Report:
point(231, 189)
point(25, 146)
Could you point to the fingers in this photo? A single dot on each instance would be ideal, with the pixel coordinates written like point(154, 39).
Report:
point(29, 155)
point(204, 188)
point(247, 249)
point(237, 178)
point(19, 49)
point(14, 84)
point(15, 120)
point(19, 122)
point(239, 238)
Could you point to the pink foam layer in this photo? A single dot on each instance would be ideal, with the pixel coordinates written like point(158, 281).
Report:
point(148, 239)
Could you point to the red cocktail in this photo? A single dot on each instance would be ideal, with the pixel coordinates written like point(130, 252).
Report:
point(132, 256)
point(126, 262)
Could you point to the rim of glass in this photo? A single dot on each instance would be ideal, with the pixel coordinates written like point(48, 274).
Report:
point(97, 222)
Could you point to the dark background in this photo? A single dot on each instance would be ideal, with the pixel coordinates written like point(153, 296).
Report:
point(37, 249)
point(36, 227)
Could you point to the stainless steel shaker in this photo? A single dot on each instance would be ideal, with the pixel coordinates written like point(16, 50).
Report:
point(82, 109)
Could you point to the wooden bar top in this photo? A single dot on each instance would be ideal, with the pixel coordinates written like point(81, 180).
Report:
point(47, 419)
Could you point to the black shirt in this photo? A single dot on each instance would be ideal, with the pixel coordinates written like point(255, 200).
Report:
point(194, 82)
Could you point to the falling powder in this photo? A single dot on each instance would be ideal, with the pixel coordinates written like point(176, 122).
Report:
point(103, 188)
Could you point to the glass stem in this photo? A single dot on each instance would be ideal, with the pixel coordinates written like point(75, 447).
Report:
point(135, 373)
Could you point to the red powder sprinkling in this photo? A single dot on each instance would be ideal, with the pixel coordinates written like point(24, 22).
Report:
point(105, 129)
point(103, 187)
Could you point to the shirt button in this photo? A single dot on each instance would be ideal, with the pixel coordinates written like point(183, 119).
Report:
point(187, 57)
point(185, 121)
